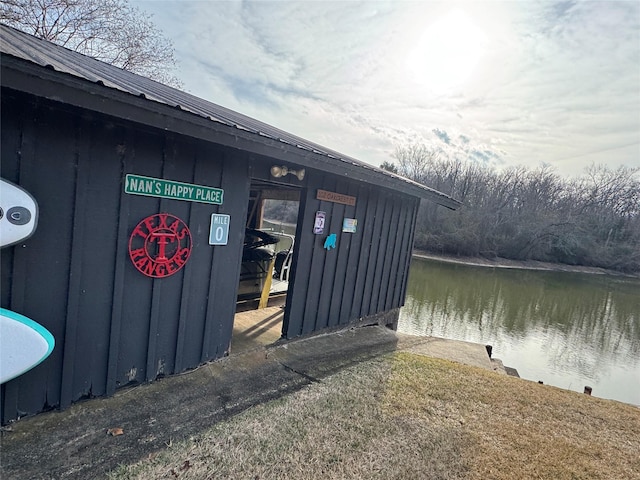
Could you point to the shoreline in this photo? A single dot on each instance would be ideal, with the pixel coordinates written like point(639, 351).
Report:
point(520, 264)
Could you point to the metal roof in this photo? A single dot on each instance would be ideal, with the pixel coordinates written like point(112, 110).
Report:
point(45, 54)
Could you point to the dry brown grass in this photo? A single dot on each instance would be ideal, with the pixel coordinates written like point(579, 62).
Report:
point(519, 429)
point(405, 416)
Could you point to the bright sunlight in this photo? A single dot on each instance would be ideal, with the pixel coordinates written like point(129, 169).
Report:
point(447, 52)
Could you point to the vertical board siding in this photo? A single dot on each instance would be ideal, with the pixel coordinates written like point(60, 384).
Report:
point(395, 278)
point(92, 269)
point(143, 157)
point(364, 257)
point(118, 306)
point(388, 280)
point(42, 264)
point(165, 310)
point(356, 245)
point(382, 252)
point(330, 264)
point(177, 165)
point(407, 260)
point(317, 255)
point(342, 262)
point(404, 254)
point(200, 256)
point(112, 324)
point(371, 261)
point(115, 326)
point(10, 153)
point(225, 271)
point(294, 307)
point(193, 315)
point(363, 275)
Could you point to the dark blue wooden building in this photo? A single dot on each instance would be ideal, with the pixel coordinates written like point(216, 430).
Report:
point(102, 151)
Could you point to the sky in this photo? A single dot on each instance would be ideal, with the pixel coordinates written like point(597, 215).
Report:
point(528, 83)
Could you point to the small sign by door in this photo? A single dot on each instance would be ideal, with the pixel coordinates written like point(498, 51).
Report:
point(219, 233)
point(349, 225)
point(318, 225)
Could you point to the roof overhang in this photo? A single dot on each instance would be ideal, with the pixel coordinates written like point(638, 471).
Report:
point(43, 81)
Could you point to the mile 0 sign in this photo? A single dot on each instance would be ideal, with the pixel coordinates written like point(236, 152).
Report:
point(160, 245)
point(219, 232)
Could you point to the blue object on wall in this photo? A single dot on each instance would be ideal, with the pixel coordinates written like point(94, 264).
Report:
point(330, 242)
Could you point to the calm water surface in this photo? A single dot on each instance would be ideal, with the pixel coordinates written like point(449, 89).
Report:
point(565, 329)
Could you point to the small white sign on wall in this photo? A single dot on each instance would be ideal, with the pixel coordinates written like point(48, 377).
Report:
point(349, 225)
point(318, 226)
point(219, 233)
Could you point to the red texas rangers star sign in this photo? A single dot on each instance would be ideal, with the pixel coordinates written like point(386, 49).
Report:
point(160, 245)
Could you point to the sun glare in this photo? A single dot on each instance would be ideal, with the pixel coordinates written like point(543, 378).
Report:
point(447, 52)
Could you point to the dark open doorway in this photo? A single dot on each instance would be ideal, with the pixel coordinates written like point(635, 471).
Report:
point(265, 274)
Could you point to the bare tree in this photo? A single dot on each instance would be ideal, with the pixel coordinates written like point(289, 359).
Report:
point(415, 161)
point(524, 214)
point(389, 167)
point(109, 30)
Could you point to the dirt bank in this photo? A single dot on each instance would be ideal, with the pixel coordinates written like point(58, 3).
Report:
point(522, 264)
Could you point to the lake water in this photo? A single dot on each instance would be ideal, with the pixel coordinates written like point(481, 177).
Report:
point(569, 330)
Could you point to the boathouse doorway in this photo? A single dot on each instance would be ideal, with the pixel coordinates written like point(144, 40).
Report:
point(265, 274)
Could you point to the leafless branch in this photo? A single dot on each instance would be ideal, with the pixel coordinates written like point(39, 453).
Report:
point(109, 30)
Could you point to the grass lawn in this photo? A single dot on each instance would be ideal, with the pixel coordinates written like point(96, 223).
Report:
point(405, 416)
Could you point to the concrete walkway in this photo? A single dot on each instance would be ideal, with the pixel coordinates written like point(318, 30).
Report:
point(74, 444)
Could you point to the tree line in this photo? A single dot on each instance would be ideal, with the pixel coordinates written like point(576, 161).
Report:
point(527, 214)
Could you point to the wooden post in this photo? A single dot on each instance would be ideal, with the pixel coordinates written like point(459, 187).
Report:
point(266, 289)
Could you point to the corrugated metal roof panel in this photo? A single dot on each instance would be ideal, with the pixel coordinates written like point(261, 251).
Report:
point(47, 54)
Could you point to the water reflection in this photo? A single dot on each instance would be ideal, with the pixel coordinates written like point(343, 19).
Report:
point(566, 329)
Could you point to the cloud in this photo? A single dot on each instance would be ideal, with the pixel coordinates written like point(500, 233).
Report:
point(558, 82)
point(484, 155)
point(442, 135)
